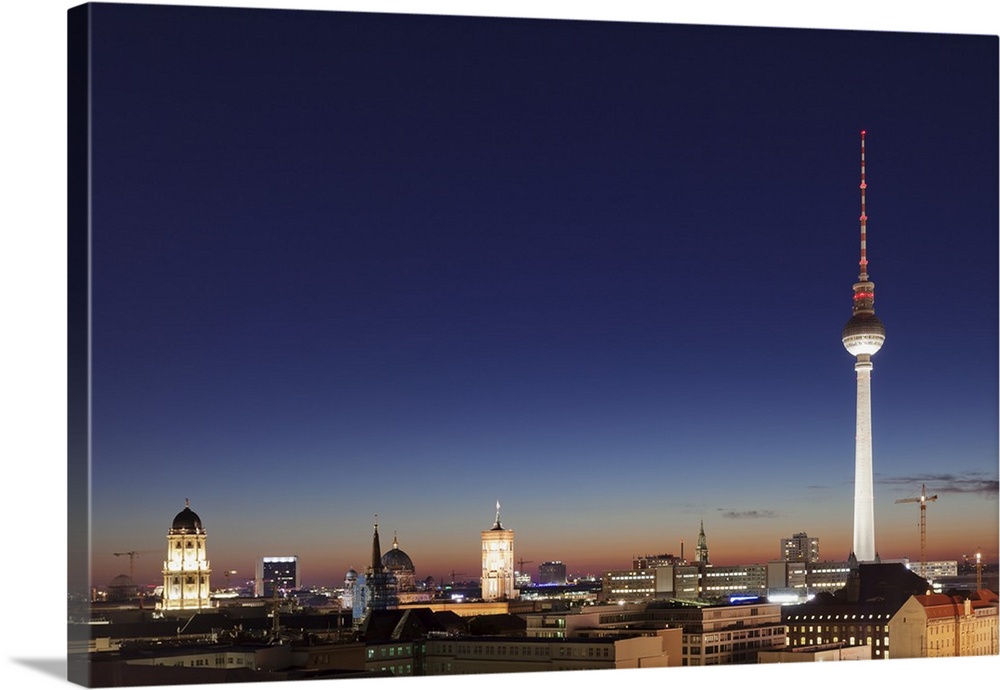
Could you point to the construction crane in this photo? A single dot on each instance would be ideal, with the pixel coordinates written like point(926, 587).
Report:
point(521, 563)
point(131, 560)
point(922, 500)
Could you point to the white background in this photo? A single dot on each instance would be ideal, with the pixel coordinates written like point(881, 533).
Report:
point(33, 268)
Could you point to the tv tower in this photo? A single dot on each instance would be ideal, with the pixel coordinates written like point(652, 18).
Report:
point(863, 337)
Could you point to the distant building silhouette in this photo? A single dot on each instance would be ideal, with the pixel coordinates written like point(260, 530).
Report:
point(552, 573)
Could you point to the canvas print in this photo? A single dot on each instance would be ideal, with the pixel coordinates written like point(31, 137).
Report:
point(408, 345)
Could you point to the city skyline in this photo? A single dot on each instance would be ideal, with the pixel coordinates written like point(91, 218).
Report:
point(414, 265)
point(35, 77)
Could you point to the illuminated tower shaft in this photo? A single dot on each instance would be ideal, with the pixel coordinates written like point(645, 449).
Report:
point(863, 337)
point(864, 494)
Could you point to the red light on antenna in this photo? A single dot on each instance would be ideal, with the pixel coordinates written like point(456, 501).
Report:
point(862, 132)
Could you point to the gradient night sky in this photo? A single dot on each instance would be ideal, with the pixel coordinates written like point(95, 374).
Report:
point(348, 264)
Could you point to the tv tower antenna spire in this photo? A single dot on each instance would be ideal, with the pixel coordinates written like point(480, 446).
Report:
point(863, 337)
point(863, 275)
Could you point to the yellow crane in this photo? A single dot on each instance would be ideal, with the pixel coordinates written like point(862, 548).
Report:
point(923, 499)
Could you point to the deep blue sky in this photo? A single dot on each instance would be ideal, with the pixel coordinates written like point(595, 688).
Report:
point(347, 264)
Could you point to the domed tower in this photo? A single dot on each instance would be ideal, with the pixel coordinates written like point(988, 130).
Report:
point(186, 571)
point(863, 337)
point(397, 562)
point(498, 562)
point(350, 583)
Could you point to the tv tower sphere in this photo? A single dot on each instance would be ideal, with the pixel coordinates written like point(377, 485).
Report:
point(864, 333)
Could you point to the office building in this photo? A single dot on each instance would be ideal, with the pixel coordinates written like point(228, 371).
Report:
point(552, 573)
point(276, 572)
point(800, 547)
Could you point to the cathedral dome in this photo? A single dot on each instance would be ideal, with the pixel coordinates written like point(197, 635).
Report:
point(187, 520)
point(351, 575)
point(122, 588)
point(122, 581)
point(397, 559)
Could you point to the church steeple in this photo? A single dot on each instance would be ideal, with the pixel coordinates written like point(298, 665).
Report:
point(497, 524)
point(701, 552)
point(376, 550)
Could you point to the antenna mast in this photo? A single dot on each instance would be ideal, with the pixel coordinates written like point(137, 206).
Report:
point(863, 276)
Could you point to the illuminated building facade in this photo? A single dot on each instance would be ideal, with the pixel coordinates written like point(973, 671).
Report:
point(859, 613)
point(656, 582)
point(186, 571)
point(276, 571)
point(859, 624)
point(800, 547)
point(498, 562)
point(936, 625)
point(778, 580)
point(863, 336)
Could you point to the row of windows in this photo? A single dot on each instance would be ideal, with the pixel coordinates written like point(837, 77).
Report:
point(837, 616)
point(400, 670)
point(219, 661)
point(383, 652)
point(834, 628)
point(480, 649)
point(748, 633)
point(741, 573)
point(523, 651)
point(851, 640)
point(189, 580)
